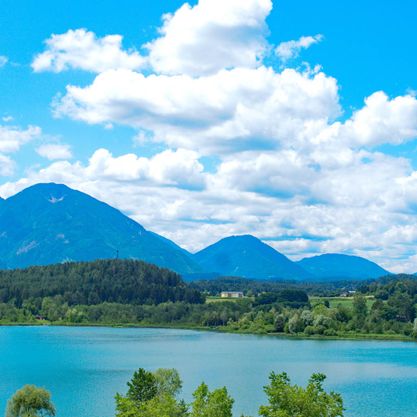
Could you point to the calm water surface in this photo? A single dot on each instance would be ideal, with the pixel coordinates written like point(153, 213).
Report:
point(85, 367)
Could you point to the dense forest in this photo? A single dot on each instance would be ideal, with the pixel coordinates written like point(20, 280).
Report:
point(114, 281)
point(119, 292)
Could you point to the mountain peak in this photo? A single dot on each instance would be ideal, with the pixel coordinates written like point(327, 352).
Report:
point(48, 187)
point(51, 223)
point(336, 266)
point(247, 256)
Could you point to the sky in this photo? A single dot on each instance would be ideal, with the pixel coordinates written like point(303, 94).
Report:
point(291, 120)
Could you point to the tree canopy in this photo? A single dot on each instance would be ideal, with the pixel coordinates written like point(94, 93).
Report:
point(30, 401)
point(287, 400)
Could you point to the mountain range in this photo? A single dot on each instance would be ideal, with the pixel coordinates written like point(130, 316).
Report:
point(52, 223)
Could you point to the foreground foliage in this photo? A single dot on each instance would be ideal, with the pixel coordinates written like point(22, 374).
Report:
point(30, 401)
point(286, 400)
point(153, 394)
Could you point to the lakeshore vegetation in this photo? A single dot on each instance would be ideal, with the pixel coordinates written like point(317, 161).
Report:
point(128, 292)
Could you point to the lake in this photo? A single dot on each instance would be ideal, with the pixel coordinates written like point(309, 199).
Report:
point(85, 367)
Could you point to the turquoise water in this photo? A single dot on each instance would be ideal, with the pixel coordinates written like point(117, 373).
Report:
point(85, 367)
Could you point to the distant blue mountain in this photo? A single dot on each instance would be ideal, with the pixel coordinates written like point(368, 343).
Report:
point(246, 256)
point(51, 223)
point(332, 266)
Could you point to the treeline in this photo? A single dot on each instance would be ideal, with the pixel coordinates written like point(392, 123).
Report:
point(134, 293)
point(91, 283)
point(55, 310)
point(254, 287)
point(385, 307)
point(396, 297)
point(217, 314)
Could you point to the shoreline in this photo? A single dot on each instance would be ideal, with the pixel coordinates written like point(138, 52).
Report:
point(347, 337)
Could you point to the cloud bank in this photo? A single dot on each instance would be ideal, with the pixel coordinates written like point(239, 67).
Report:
point(247, 146)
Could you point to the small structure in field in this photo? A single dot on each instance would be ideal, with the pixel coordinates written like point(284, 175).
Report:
point(231, 294)
point(347, 293)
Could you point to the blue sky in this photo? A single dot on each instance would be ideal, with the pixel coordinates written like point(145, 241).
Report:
point(184, 152)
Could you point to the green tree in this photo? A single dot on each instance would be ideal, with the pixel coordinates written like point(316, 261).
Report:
point(30, 401)
point(217, 403)
point(167, 381)
point(360, 310)
point(287, 400)
point(414, 334)
point(142, 387)
point(164, 405)
point(152, 394)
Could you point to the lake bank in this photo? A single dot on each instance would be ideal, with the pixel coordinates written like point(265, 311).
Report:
point(347, 336)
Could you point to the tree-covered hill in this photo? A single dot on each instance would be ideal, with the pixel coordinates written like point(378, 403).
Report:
point(118, 281)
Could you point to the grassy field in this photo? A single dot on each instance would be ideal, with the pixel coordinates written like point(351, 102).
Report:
point(345, 301)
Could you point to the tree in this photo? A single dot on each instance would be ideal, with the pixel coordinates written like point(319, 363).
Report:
point(217, 403)
point(152, 394)
point(360, 310)
point(168, 382)
point(30, 401)
point(142, 387)
point(415, 328)
point(286, 400)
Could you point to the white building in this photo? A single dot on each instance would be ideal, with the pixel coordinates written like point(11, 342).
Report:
point(231, 294)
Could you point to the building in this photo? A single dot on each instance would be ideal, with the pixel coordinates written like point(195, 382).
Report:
point(231, 294)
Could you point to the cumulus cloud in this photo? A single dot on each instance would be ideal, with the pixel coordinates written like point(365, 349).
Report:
point(230, 110)
point(179, 168)
point(81, 49)
point(12, 138)
point(3, 60)
point(6, 165)
point(291, 165)
point(54, 151)
point(382, 120)
point(212, 35)
point(291, 49)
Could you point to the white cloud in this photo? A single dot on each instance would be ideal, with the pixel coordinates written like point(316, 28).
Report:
point(382, 120)
point(13, 137)
point(81, 49)
point(7, 165)
point(53, 151)
point(230, 110)
point(3, 60)
point(288, 168)
point(212, 35)
point(291, 49)
point(179, 168)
